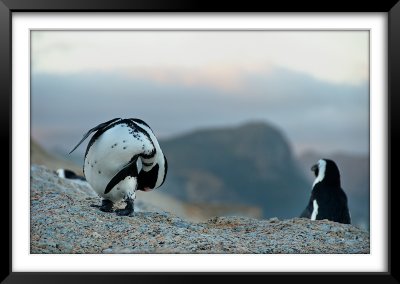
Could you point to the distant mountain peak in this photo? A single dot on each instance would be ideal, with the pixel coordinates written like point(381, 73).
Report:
point(251, 163)
point(255, 124)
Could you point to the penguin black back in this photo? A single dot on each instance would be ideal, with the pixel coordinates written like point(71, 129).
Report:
point(328, 200)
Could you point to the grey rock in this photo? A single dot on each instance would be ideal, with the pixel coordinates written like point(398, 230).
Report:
point(62, 221)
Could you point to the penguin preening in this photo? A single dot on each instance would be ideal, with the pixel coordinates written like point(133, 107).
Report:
point(111, 162)
point(328, 200)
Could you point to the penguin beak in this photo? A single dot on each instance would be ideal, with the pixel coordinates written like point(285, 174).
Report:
point(314, 167)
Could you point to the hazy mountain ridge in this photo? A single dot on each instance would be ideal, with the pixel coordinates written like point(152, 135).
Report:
point(52, 161)
point(252, 163)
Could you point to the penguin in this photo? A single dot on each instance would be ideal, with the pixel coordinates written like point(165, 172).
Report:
point(328, 200)
point(68, 174)
point(112, 158)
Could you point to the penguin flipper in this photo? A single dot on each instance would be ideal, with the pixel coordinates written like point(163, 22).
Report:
point(306, 213)
point(346, 218)
point(100, 126)
point(308, 210)
point(130, 169)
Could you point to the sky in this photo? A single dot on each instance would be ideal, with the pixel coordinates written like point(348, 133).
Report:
point(312, 85)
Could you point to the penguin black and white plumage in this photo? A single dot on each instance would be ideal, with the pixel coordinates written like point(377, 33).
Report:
point(68, 174)
point(111, 162)
point(328, 200)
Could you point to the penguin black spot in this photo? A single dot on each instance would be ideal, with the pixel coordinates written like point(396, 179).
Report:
point(328, 200)
point(124, 147)
point(99, 172)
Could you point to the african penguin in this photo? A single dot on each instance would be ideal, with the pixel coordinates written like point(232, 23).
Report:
point(328, 200)
point(111, 162)
point(68, 174)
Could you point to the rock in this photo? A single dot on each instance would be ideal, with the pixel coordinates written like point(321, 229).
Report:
point(63, 221)
point(96, 235)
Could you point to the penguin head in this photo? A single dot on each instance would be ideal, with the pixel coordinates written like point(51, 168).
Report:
point(153, 178)
point(326, 171)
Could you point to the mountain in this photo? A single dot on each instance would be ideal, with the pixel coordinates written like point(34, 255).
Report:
point(41, 157)
point(157, 198)
point(249, 164)
point(355, 176)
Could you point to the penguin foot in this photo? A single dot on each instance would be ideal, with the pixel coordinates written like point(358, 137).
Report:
point(125, 212)
point(128, 210)
point(106, 205)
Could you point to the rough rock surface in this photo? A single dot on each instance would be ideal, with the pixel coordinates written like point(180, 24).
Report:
point(62, 221)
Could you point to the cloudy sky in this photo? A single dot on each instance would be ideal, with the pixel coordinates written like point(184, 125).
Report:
point(313, 85)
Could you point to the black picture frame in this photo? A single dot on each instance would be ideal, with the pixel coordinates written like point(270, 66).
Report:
point(8, 7)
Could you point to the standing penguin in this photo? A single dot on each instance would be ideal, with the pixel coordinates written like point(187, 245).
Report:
point(328, 200)
point(111, 162)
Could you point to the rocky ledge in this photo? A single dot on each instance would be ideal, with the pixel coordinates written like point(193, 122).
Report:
point(62, 221)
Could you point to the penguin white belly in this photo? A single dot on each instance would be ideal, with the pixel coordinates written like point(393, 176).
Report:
point(109, 153)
